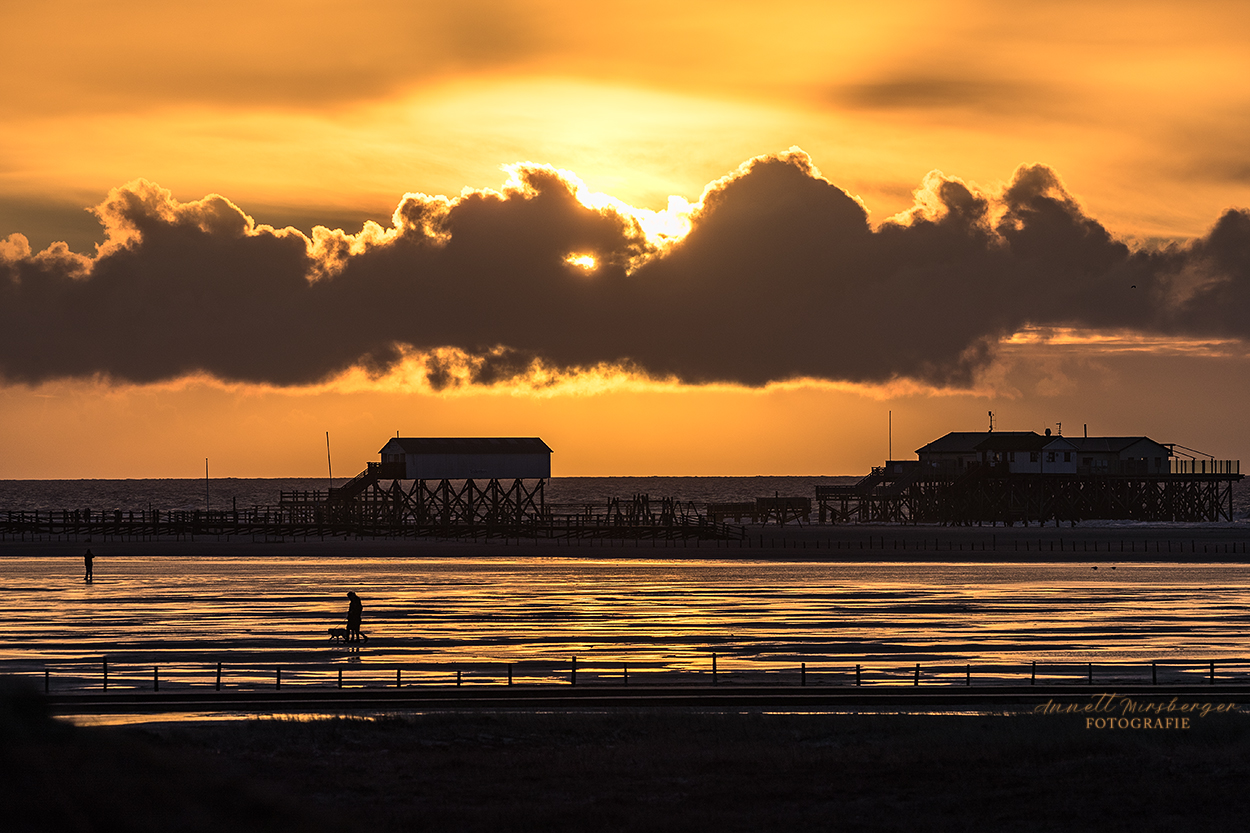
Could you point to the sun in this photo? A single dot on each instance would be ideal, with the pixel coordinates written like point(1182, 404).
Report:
point(586, 263)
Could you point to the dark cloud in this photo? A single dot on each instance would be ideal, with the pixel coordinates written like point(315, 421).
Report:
point(780, 276)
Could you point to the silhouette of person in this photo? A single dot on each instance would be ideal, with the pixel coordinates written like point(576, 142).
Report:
point(87, 558)
point(355, 609)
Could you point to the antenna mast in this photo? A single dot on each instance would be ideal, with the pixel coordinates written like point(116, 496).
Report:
point(991, 421)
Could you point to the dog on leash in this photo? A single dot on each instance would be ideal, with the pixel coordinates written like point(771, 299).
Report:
point(344, 635)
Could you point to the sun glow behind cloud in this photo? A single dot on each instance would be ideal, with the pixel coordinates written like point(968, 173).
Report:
point(326, 124)
point(1094, 342)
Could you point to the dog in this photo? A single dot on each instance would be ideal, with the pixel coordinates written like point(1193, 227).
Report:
point(344, 635)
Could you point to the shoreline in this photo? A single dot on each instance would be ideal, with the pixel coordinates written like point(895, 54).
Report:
point(772, 698)
point(1226, 543)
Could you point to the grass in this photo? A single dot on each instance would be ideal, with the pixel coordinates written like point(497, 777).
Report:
point(639, 770)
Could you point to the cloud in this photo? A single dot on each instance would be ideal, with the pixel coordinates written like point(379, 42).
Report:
point(774, 274)
point(921, 91)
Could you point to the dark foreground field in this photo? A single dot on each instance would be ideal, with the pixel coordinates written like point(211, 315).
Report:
point(622, 771)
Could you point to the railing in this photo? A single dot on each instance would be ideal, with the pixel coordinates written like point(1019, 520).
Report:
point(307, 521)
point(1206, 467)
point(131, 676)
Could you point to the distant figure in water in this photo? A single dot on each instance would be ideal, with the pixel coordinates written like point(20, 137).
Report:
point(87, 561)
point(355, 609)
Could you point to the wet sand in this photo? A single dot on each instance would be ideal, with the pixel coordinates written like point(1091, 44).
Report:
point(635, 770)
point(438, 609)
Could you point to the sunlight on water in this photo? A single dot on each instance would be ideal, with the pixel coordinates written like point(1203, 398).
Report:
point(429, 617)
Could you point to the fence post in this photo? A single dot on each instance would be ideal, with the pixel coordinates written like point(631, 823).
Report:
point(916, 681)
point(219, 676)
point(277, 679)
point(106, 674)
point(626, 675)
point(857, 677)
point(968, 674)
point(457, 676)
point(713, 669)
point(509, 673)
point(573, 673)
point(340, 678)
point(802, 673)
point(398, 683)
point(1091, 673)
point(156, 679)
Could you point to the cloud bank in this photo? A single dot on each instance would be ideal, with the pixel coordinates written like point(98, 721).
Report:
point(774, 274)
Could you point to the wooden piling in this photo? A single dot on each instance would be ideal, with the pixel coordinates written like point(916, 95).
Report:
point(340, 678)
point(106, 675)
point(713, 669)
point(858, 679)
point(156, 679)
point(573, 673)
point(277, 679)
point(509, 673)
point(802, 673)
point(916, 680)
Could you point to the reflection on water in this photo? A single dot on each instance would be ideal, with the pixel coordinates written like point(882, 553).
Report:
point(429, 615)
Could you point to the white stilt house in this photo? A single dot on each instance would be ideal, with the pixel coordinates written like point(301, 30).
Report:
point(467, 458)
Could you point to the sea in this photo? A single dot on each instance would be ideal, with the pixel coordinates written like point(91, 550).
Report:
point(221, 493)
point(434, 617)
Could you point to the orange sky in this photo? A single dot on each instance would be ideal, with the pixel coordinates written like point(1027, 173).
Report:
point(316, 113)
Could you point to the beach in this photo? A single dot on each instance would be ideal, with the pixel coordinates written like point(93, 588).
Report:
point(818, 598)
point(625, 769)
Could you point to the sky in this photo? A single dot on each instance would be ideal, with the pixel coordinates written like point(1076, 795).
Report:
point(669, 239)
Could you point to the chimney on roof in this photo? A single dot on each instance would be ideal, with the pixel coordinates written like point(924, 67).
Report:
point(1048, 432)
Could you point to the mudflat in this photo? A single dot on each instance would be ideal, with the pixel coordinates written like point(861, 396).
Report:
point(636, 770)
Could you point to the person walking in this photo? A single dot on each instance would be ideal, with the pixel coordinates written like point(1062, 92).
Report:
point(355, 609)
point(87, 559)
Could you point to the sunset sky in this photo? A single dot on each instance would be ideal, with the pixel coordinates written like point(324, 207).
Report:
point(705, 239)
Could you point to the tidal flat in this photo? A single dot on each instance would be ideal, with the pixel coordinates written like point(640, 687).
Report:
point(624, 770)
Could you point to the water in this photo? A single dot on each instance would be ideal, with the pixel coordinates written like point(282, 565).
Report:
point(186, 494)
point(662, 619)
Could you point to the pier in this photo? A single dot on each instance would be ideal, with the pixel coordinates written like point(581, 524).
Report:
point(918, 492)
